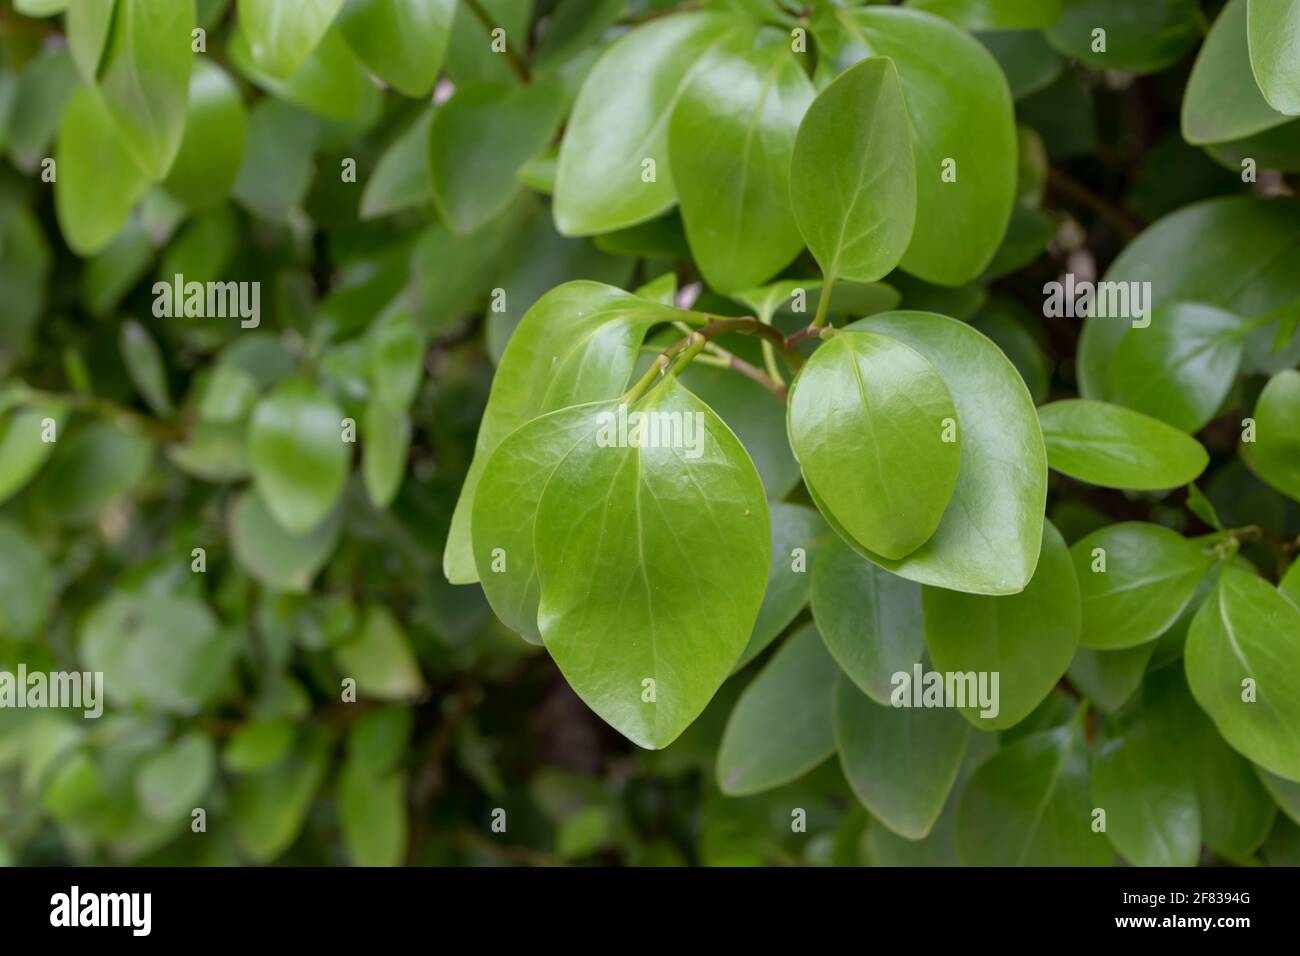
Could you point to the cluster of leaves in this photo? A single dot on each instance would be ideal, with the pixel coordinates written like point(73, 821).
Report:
point(487, 228)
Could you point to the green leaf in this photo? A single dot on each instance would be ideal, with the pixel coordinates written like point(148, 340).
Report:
point(693, 530)
point(870, 619)
point(330, 82)
point(1135, 589)
point(378, 740)
point(281, 36)
point(1027, 639)
point(144, 79)
point(396, 358)
point(374, 815)
point(1273, 28)
point(277, 558)
point(730, 139)
point(988, 540)
point(1248, 632)
point(1290, 586)
point(157, 651)
point(471, 57)
point(854, 183)
point(577, 344)
point(401, 177)
point(39, 97)
point(299, 458)
point(479, 140)
point(1275, 454)
point(403, 42)
point(89, 23)
point(1029, 805)
point(22, 449)
point(96, 465)
point(1223, 102)
point(960, 110)
point(1139, 37)
point(171, 783)
point(1203, 253)
point(1113, 447)
point(258, 745)
point(1029, 62)
point(1181, 368)
point(386, 439)
point(144, 363)
point(212, 149)
point(875, 430)
point(901, 762)
point(1152, 814)
point(798, 535)
point(620, 119)
point(379, 658)
point(270, 808)
point(90, 154)
point(1109, 678)
point(994, 14)
point(782, 725)
point(278, 161)
point(26, 584)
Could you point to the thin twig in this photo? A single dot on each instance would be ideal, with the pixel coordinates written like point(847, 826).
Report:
point(1077, 191)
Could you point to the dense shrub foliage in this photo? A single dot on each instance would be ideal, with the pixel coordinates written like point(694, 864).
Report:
point(728, 431)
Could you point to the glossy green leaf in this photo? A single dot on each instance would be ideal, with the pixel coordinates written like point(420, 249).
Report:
point(379, 658)
point(659, 524)
point(89, 23)
point(281, 36)
point(988, 540)
point(876, 433)
point(730, 140)
point(853, 184)
point(1137, 586)
point(374, 815)
point(577, 344)
point(1113, 447)
point(902, 762)
point(479, 140)
point(277, 558)
point(299, 457)
point(870, 619)
point(386, 438)
point(1029, 805)
point(90, 154)
point(782, 725)
point(1243, 666)
point(1273, 29)
point(1153, 817)
point(1275, 454)
point(401, 41)
point(961, 119)
point(171, 783)
point(1180, 368)
point(994, 14)
point(1027, 639)
point(620, 121)
point(1139, 37)
point(212, 149)
point(1223, 101)
point(330, 82)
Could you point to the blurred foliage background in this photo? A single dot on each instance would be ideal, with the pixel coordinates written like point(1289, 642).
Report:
point(224, 685)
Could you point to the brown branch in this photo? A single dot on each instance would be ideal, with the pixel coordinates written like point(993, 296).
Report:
point(516, 61)
point(1071, 188)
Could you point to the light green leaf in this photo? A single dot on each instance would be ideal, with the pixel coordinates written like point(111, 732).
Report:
point(1138, 586)
point(212, 150)
point(577, 344)
point(22, 448)
point(870, 619)
point(172, 783)
point(782, 725)
point(730, 139)
point(90, 154)
point(876, 433)
point(89, 23)
point(270, 808)
point(1140, 37)
point(277, 558)
point(1027, 639)
point(620, 120)
point(1180, 368)
point(960, 111)
point(901, 762)
point(988, 540)
point(1153, 817)
point(299, 458)
point(374, 815)
point(330, 82)
point(1275, 453)
point(396, 358)
point(1248, 632)
point(1290, 586)
point(853, 181)
point(677, 548)
point(1223, 102)
point(403, 42)
point(1274, 33)
point(1029, 805)
point(282, 35)
point(1113, 447)
point(379, 658)
point(258, 745)
point(479, 140)
point(386, 439)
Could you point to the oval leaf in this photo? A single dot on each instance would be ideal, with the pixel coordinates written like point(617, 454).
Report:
point(1114, 447)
